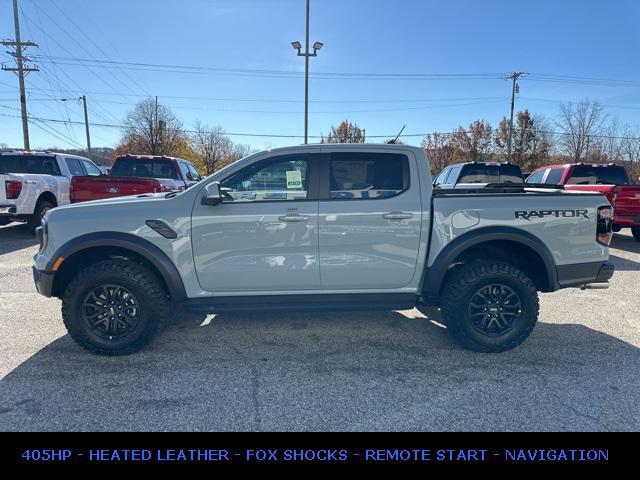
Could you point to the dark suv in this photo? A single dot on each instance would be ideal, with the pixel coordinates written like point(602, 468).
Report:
point(478, 174)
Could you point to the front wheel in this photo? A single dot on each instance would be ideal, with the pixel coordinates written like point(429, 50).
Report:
point(114, 307)
point(635, 231)
point(490, 306)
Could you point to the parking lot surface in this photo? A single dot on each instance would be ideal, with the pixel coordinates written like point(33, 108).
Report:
point(336, 371)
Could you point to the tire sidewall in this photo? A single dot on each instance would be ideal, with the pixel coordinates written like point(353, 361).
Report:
point(36, 220)
point(523, 325)
point(147, 321)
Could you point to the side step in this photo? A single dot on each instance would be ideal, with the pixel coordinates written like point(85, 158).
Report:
point(303, 303)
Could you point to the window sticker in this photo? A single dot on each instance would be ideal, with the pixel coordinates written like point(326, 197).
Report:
point(294, 179)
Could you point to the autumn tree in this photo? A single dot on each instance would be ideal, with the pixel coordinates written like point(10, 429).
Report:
point(440, 153)
point(474, 143)
point(346, 132)
point(211, 144)
point(530, 143)
point(579, 124)
point(152, 129)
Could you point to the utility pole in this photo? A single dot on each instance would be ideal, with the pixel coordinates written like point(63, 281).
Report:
point(86, 122)
point(514, 89)
point(316, 46)
point(20, 69)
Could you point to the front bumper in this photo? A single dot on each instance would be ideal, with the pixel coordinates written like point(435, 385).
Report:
point(580, 274)
point(43, 281)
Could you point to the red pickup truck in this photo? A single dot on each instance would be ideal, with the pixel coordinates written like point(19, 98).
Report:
point(134, 175)
point(609, 179)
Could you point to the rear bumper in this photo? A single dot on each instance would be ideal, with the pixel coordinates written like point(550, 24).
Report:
point(7, 210)
point(579, 274)
point(43, 281)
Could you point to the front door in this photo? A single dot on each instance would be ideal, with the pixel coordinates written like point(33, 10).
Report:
point(264, 236)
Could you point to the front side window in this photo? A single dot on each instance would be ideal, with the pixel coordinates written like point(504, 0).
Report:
point(536, 177)
point(281, 178)
point(91, 169)
point(195, 175)
point(368, 175)
point(440, 179)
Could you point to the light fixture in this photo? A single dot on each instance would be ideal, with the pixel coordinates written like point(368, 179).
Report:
point(317, 45)
point(296, 45)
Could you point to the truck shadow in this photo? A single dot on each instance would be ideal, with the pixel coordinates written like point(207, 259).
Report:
point(15, 236)
point(626, 243)
point(346, 371)
point(624, 264)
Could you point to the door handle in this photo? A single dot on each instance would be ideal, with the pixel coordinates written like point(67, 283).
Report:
point(397, 216)
point(293, 218)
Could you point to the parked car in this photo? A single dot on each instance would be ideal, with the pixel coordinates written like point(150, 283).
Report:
point(134, 175)
point(277, 230)
point(478, 174)
point(609, 179)
point(32, 183)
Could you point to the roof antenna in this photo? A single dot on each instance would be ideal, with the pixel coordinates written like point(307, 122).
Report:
point(395, 140)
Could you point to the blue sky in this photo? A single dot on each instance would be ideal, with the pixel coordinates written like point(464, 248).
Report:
point(585, 39)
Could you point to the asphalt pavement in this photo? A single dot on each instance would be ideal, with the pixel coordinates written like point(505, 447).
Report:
point(579, 370)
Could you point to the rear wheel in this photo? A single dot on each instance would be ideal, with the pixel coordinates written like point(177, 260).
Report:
point(41, 210)
point(636, 233)
point(114, 307)
point(490, 306)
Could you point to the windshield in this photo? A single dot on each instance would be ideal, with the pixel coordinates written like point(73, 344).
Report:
point(36, 164)
point(585, 175)
point(144, 168)
point(491, 174)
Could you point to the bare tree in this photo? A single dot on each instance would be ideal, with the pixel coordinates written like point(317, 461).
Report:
point(630, 147)
point(346, 132)
point(211, 145)
point(580, 123)
point(153, 129)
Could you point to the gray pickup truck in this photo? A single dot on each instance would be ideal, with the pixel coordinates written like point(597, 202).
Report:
point(322, 227)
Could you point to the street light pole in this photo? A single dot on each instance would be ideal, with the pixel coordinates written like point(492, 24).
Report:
point(86, 122)
point(316, 46)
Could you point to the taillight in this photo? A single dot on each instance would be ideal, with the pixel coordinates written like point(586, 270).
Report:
point(605, 225)
point(13, 189)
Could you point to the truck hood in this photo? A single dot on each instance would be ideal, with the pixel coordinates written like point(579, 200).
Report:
point(118, 200)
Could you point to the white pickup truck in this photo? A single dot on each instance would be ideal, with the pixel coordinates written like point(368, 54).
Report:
point(32, 183)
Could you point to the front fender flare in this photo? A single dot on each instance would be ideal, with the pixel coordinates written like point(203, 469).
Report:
point(140, 246)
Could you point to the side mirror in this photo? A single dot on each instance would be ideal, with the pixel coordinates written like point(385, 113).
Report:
point(213, 196)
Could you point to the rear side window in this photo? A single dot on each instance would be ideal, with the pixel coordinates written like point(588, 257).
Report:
point(585, 175)
point(491, 174)
point(368, 175)
point(144, 168)
point(36, 164)
point(74, 167)
point(554, 176)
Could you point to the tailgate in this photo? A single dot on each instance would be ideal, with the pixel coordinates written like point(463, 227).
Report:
point(96, 188)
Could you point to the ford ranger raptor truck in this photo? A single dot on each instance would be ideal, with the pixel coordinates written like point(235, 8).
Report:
point(313, 227)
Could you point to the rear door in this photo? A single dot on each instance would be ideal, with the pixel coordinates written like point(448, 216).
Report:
point(264, 236)
point(369, 220)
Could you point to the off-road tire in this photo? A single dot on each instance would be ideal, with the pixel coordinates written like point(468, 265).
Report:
point(461, 287)
point(35, 220)
point(144, 285)
point(635, 231)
